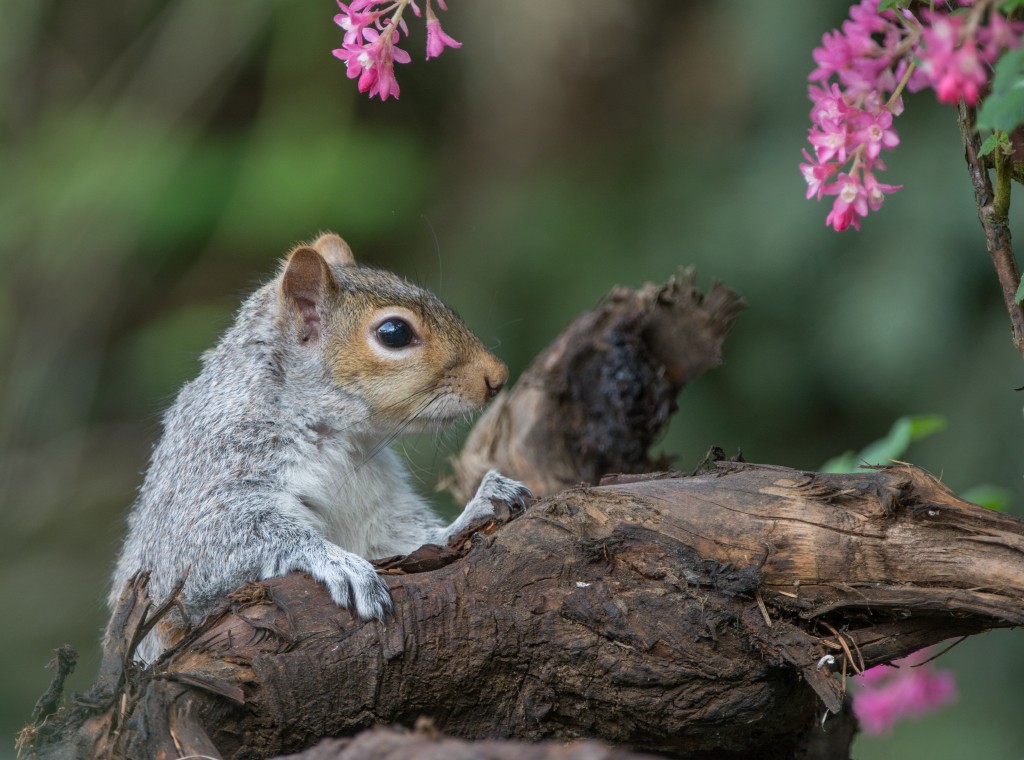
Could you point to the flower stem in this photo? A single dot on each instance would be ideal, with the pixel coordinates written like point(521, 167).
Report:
point(396, 18)
point(903, 83)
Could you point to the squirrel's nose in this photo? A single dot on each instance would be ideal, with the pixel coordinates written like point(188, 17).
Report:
point(493, 386)
point(495, 374)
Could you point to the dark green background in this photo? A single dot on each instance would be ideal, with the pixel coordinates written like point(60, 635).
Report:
point(157, 157)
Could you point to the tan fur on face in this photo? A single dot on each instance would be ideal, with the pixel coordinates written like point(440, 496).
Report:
point(445, 373)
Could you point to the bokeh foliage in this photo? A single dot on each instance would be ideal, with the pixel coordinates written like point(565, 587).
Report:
point(157, 157)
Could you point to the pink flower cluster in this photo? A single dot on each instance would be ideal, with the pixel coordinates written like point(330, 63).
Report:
point(845, 133)
point(370, 44)
point(957, 52)
point(887, 695)
point(872, 57)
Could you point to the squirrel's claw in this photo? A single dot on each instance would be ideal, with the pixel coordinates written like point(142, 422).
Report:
point(498, 498)
point(355, 585)
point(495, 491)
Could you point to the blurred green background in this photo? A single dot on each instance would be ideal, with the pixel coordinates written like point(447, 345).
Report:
point(156, 157)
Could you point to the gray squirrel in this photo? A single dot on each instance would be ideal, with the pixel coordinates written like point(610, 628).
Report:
point(275, 458)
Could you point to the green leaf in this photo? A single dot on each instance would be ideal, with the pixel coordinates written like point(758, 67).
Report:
point(904, 431)
point(1020, 291)
point(988, 496)
point(891, 5)
point(924, 425)
point(1009, 6)
point(893, 446)
point(989, 145)
point(1003, 109)
point(847, 462)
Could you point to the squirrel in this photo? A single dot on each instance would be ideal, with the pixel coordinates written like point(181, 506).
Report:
point(276, 458)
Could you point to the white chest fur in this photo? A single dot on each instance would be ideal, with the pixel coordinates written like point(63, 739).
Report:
point(352, 497)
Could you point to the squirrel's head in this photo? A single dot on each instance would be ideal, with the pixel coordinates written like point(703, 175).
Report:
point(393, 345)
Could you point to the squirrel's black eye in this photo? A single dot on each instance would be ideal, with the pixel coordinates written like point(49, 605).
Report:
point(395, 333)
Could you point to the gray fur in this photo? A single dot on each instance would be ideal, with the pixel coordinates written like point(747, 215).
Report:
point(265, 466)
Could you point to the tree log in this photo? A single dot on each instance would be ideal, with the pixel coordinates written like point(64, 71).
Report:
point(685, 615)
point(715, 615)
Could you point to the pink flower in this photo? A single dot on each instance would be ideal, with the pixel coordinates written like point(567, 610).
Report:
point(828, 145)
point(829, 109)
point(373, 62)
point(940, 33)
point(852, 118)
point(850, 205)
point(954, 66)
point(887, 695)
point(379, 77)
point(815, 174)
point(370, 43)
point(355, 58)
point(962, 77)
point(867, 20)
point(833, 55)
point(860, 72)
point(353, 22)
point(876, 132)
point(854, 54)
point(876, 190)
point(999, 34)
point(437, 40)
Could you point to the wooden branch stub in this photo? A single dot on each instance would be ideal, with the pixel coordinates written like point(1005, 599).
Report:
point(63, 663)
point(595, 400)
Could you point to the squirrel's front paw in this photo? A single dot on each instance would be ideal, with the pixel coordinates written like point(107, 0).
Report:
point(497, 497)
point(495, 487)
point(355, 585)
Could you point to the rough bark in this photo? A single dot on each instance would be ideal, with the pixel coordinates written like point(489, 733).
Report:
point(687, 615)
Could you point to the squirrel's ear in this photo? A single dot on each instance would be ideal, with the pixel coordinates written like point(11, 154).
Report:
point(305, 284)
point(334, 250)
